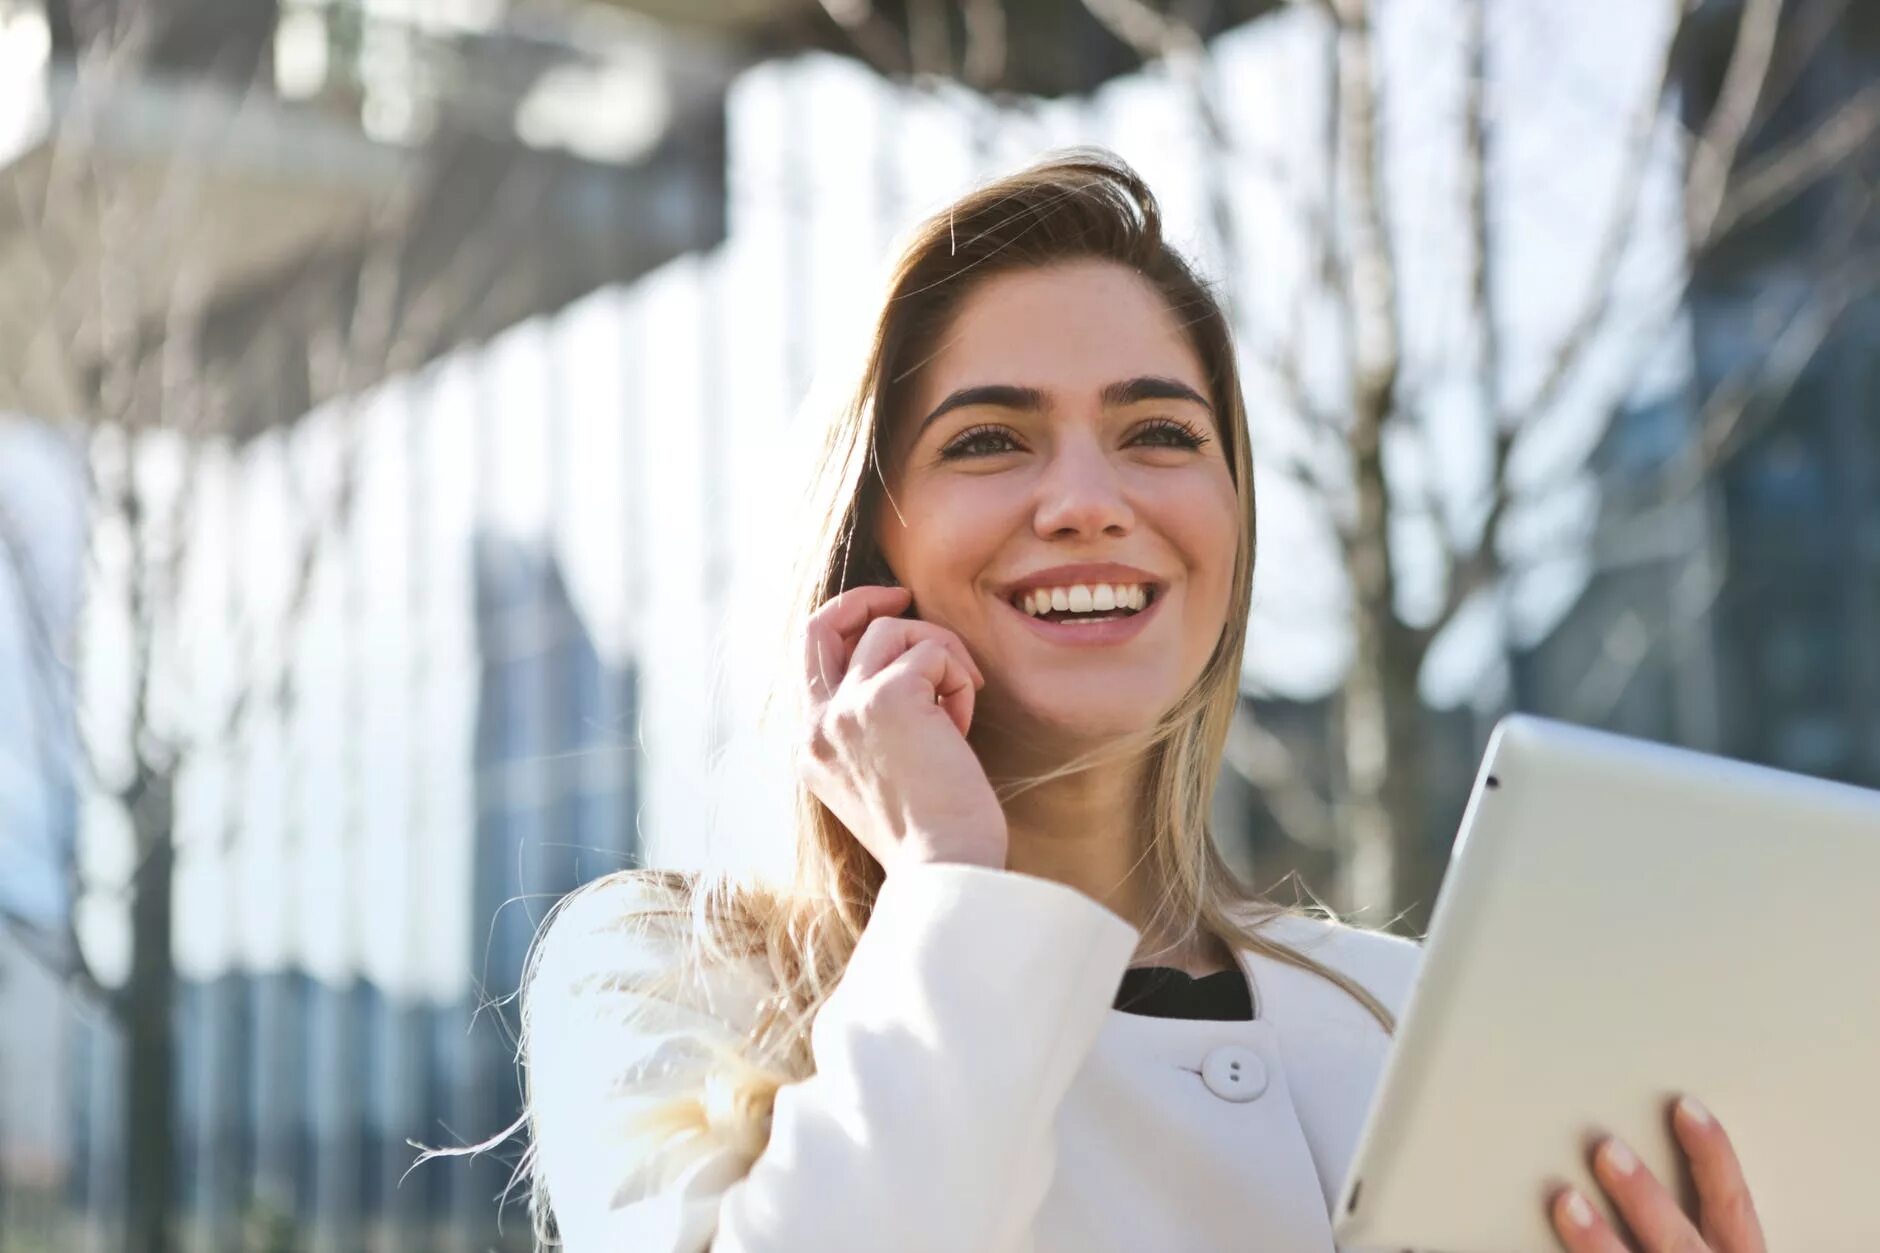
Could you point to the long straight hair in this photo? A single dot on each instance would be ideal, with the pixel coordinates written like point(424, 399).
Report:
point(1078, 205)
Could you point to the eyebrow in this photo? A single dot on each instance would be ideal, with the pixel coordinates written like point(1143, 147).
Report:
point(1033, 400)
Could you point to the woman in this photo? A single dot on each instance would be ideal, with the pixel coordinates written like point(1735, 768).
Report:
point(1013, 998)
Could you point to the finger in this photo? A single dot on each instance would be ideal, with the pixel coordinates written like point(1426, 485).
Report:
point(887, 638)
point(884, 639)
point(1726, 1213)
point(1651, 1211)
point(824, 661)
point(934, 666)
point(955, 693)
point(1581, 1227)
point(848, 612)
point(833, 629)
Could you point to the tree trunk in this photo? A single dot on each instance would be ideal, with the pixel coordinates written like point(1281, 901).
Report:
point(1407, 784)
point(149, 1006)
point(1378, 728)
point(1386, 789)
point(1371, 832)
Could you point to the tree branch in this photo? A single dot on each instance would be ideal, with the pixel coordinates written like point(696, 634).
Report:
point(1371, 293)
point(1713, 208)
point(1621, 225)
point(1480, 567)
point(1780, 177)
point(50, 672)
point(62, 958)
point(1265, 762)
point(53, 687)
point(1800, 38)
point(35, 607)
point(1156, 36)
point(1627, 644)
point(1476, 143)
point(1748, 391)
point(1713, 155)
point(1741, 407)
point(1369, 305)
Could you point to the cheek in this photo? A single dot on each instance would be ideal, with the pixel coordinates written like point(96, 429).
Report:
point(1209, 540)
point(1201, 517)
point(951, 533)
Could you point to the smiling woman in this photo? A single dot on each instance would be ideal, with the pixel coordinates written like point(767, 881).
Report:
point(1018, 636)
point(1101, 450)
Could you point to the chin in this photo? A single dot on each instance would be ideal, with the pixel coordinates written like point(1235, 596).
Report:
point(1084, 720)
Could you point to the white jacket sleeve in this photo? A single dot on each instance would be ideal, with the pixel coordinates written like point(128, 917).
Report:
point(972, 999)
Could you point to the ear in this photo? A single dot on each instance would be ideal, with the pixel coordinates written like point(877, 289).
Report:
point(876, 571)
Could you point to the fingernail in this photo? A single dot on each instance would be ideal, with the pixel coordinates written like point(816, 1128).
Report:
point(1619, 1159)
point(1579, 1213)
point(1695, 1111)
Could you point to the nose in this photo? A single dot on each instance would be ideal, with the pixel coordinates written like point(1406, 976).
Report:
point(1081, 494)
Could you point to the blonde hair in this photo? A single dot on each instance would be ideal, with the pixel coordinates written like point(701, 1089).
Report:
point(1078, 205)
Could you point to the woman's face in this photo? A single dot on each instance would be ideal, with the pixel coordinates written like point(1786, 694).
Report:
point(1059, 443)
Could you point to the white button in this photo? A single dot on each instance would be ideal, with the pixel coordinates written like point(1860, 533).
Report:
point(1234, 1072)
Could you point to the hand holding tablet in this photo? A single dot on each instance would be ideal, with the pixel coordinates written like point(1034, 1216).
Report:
point(1724, 1220)
point(1624, 924)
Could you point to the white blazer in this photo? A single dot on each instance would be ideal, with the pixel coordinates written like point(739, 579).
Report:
point(975, 1091)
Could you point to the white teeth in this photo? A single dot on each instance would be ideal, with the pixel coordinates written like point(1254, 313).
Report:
point(1084, 598)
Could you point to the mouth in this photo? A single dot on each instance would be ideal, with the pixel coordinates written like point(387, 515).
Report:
point(1085, 614)
point(1085, 602)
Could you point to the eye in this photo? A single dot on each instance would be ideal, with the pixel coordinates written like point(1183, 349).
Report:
point(1170, 433)
point(979, 441)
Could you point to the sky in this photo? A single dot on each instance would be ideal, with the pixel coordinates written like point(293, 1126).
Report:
point(646, 434)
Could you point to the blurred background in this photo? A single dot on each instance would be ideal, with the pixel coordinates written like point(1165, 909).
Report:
point(393, 401)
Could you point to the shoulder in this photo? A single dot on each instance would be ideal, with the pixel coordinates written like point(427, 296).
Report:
point(1383, 964)
point(646, 906)
point(626, 1033)
point(624, 946)
point(631, 924)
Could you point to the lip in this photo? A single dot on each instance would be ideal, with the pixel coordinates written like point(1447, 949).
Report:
point(1083, 572)
point(1089, 634)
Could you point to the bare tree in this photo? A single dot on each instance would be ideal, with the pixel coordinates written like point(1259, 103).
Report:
point(1378, 805)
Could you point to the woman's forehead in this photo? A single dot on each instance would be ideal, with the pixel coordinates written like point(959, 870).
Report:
point(1067, 330)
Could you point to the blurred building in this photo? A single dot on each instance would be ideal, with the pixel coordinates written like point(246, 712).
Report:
point(501, 168)
point(1743, 617)
point(38, 821)
point(1798, 617)
point(298, 1095)
point(557, 782)
point(499, 163)
point(35, 1115)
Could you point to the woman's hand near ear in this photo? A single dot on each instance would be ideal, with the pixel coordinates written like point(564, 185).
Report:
point(890, 702)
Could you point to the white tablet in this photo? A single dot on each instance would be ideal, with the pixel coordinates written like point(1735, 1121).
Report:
point(1623, 922)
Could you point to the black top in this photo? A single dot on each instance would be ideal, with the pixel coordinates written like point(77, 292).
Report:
point(1165, 992)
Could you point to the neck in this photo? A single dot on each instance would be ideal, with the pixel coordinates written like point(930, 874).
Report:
point(1086, 830)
